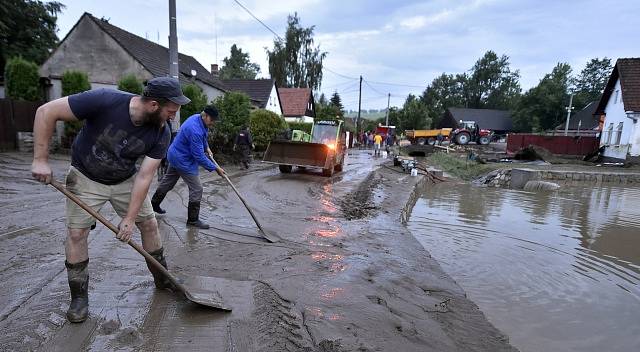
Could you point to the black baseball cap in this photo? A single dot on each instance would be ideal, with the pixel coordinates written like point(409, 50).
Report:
point(212, 111)
point(165, 87)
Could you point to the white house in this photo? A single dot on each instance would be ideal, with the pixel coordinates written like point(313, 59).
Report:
point(297, 104)
point(620, 108)
point(262, 92)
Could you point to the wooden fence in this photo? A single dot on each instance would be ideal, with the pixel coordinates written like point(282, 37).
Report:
point(15, 116)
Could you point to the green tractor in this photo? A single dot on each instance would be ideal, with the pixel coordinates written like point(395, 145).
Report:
point(324, 148)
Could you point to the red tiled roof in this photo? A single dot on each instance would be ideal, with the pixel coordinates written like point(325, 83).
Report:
point(628, 70)
point(294, 100)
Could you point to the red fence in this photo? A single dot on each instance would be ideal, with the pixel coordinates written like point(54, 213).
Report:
point(561, 145)
point(15, 116)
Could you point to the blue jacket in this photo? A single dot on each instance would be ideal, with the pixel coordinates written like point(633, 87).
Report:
point(188, 149)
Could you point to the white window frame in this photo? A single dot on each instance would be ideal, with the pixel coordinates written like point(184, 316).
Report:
point(609, 133)
point(619, 133)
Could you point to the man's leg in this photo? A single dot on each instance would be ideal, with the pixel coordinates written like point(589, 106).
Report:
point(195, 196)
point(152, 243)
point(167, 183)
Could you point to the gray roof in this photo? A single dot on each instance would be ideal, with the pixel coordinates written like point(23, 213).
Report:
point(258, 90)
point(584, 118)
point(155, 57)
point(497, 120)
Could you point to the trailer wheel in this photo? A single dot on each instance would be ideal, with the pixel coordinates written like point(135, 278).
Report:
point(285, 169)
point(431, 141)
point(422, 141)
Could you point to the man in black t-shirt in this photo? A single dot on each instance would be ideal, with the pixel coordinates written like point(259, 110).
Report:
point(119, 128)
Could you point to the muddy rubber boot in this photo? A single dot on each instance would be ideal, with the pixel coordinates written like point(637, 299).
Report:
point(155, 202)
point(78, 275)
point(159, 279)
point(193, 216)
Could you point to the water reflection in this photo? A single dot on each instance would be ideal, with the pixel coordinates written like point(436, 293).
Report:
point(555, 271)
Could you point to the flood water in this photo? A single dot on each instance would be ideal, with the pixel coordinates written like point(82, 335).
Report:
point(556, 271)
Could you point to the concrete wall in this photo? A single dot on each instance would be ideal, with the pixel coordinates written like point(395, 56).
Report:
point(615, 114)
point(87, 48)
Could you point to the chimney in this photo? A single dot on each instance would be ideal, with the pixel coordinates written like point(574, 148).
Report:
point(214, 69)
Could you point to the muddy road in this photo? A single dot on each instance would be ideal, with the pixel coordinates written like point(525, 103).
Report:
point(348, 276)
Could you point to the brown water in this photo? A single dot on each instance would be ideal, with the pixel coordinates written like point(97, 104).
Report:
point(555, 271)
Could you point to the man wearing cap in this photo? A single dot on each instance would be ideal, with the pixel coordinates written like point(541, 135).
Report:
point(244, 143)
point(186, 154)
point(118, 129)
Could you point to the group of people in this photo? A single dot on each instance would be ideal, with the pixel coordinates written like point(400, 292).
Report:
point(370, 139)
point(119, 128)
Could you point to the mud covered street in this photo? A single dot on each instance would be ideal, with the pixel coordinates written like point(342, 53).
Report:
point(347, 276)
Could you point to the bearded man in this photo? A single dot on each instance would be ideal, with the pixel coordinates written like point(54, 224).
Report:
point(119, 128)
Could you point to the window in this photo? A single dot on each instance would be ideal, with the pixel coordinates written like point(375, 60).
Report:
point(609, 133)
point(615, 100)
point(619, 134)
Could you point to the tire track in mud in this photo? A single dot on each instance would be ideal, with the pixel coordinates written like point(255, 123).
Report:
point(358, 204)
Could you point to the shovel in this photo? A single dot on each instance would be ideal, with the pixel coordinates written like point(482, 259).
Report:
point(199, 296)
point(271, 237)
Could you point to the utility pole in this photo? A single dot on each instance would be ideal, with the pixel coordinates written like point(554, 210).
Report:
point(173, 52)
point(359, 104)
point(386, 122)
point(569, 108)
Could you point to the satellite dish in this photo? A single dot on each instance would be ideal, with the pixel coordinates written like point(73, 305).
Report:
point(193, 73)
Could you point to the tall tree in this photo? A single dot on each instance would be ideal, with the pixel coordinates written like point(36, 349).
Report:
point(336, 101)
point(492, 84)
point(28, 29)
point(414, 114)
point(445, 91)
point(590, 83)
point(295, 62)
point(543, 106)
point(238, 66)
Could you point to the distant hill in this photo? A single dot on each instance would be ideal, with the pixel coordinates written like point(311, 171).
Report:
point(367, 114)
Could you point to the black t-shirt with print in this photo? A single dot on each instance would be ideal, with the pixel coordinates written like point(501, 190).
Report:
point(109, 144)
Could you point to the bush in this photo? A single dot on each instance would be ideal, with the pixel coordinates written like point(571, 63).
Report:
point(460, 166)
point(302, 126)
point(197, 104)
point(234, 108)
point(22, 80)
point(73, 82)
point(131, 84)
point(265, 125)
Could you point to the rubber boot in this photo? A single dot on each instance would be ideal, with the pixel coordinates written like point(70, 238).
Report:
point(193, 216)
point(159, 278)
point(78, 275)
point(155, 202)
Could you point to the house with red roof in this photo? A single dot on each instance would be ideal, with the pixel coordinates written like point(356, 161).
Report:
point(297, 104)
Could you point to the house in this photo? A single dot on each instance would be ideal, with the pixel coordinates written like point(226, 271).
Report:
point(619, 107)
point(582, 123)
point(498, 121)
point(297, 104)
point(107, 53)
point(262, 92)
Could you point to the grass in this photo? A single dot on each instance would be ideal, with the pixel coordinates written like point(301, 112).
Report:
point(458, 165)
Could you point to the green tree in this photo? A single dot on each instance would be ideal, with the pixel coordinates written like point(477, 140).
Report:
point(22, 80)
point(28, 29)
point(234, 109)
point(130, 83)
point(294, 62)
point(197, 104)
point(336, 101)
point(73, 82)
point(543, 106)
point(445, 91)
point(238, 66)
point(414, 114)
point(590, 83)
point(265, 125)
point(492, 84)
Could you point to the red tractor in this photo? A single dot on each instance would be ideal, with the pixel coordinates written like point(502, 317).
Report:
point(468, 131)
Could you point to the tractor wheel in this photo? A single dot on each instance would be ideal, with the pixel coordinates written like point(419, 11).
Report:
point(431, 141)
point(327, 172)
point(338, 168)
point(484, 140)
point(462, 138)
point(285, 169)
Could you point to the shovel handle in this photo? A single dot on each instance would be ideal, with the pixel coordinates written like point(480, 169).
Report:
point(115, 230)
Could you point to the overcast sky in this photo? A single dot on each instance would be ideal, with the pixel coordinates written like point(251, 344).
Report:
point(397, 46)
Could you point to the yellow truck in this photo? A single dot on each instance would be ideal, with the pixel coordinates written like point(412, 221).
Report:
point(427, 136)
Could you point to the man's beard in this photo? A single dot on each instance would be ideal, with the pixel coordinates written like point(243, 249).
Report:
point(154, 119)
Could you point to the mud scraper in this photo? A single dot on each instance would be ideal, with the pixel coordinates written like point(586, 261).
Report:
point(196, 295)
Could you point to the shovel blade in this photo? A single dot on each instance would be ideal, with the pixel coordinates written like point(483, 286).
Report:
point(206, 298)
point(270, 236)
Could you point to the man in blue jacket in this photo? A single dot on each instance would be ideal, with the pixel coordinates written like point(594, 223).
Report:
point(186, 154)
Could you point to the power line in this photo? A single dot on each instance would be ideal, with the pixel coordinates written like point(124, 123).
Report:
point(398, 84)
point(339, 74)
point(257, 19)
